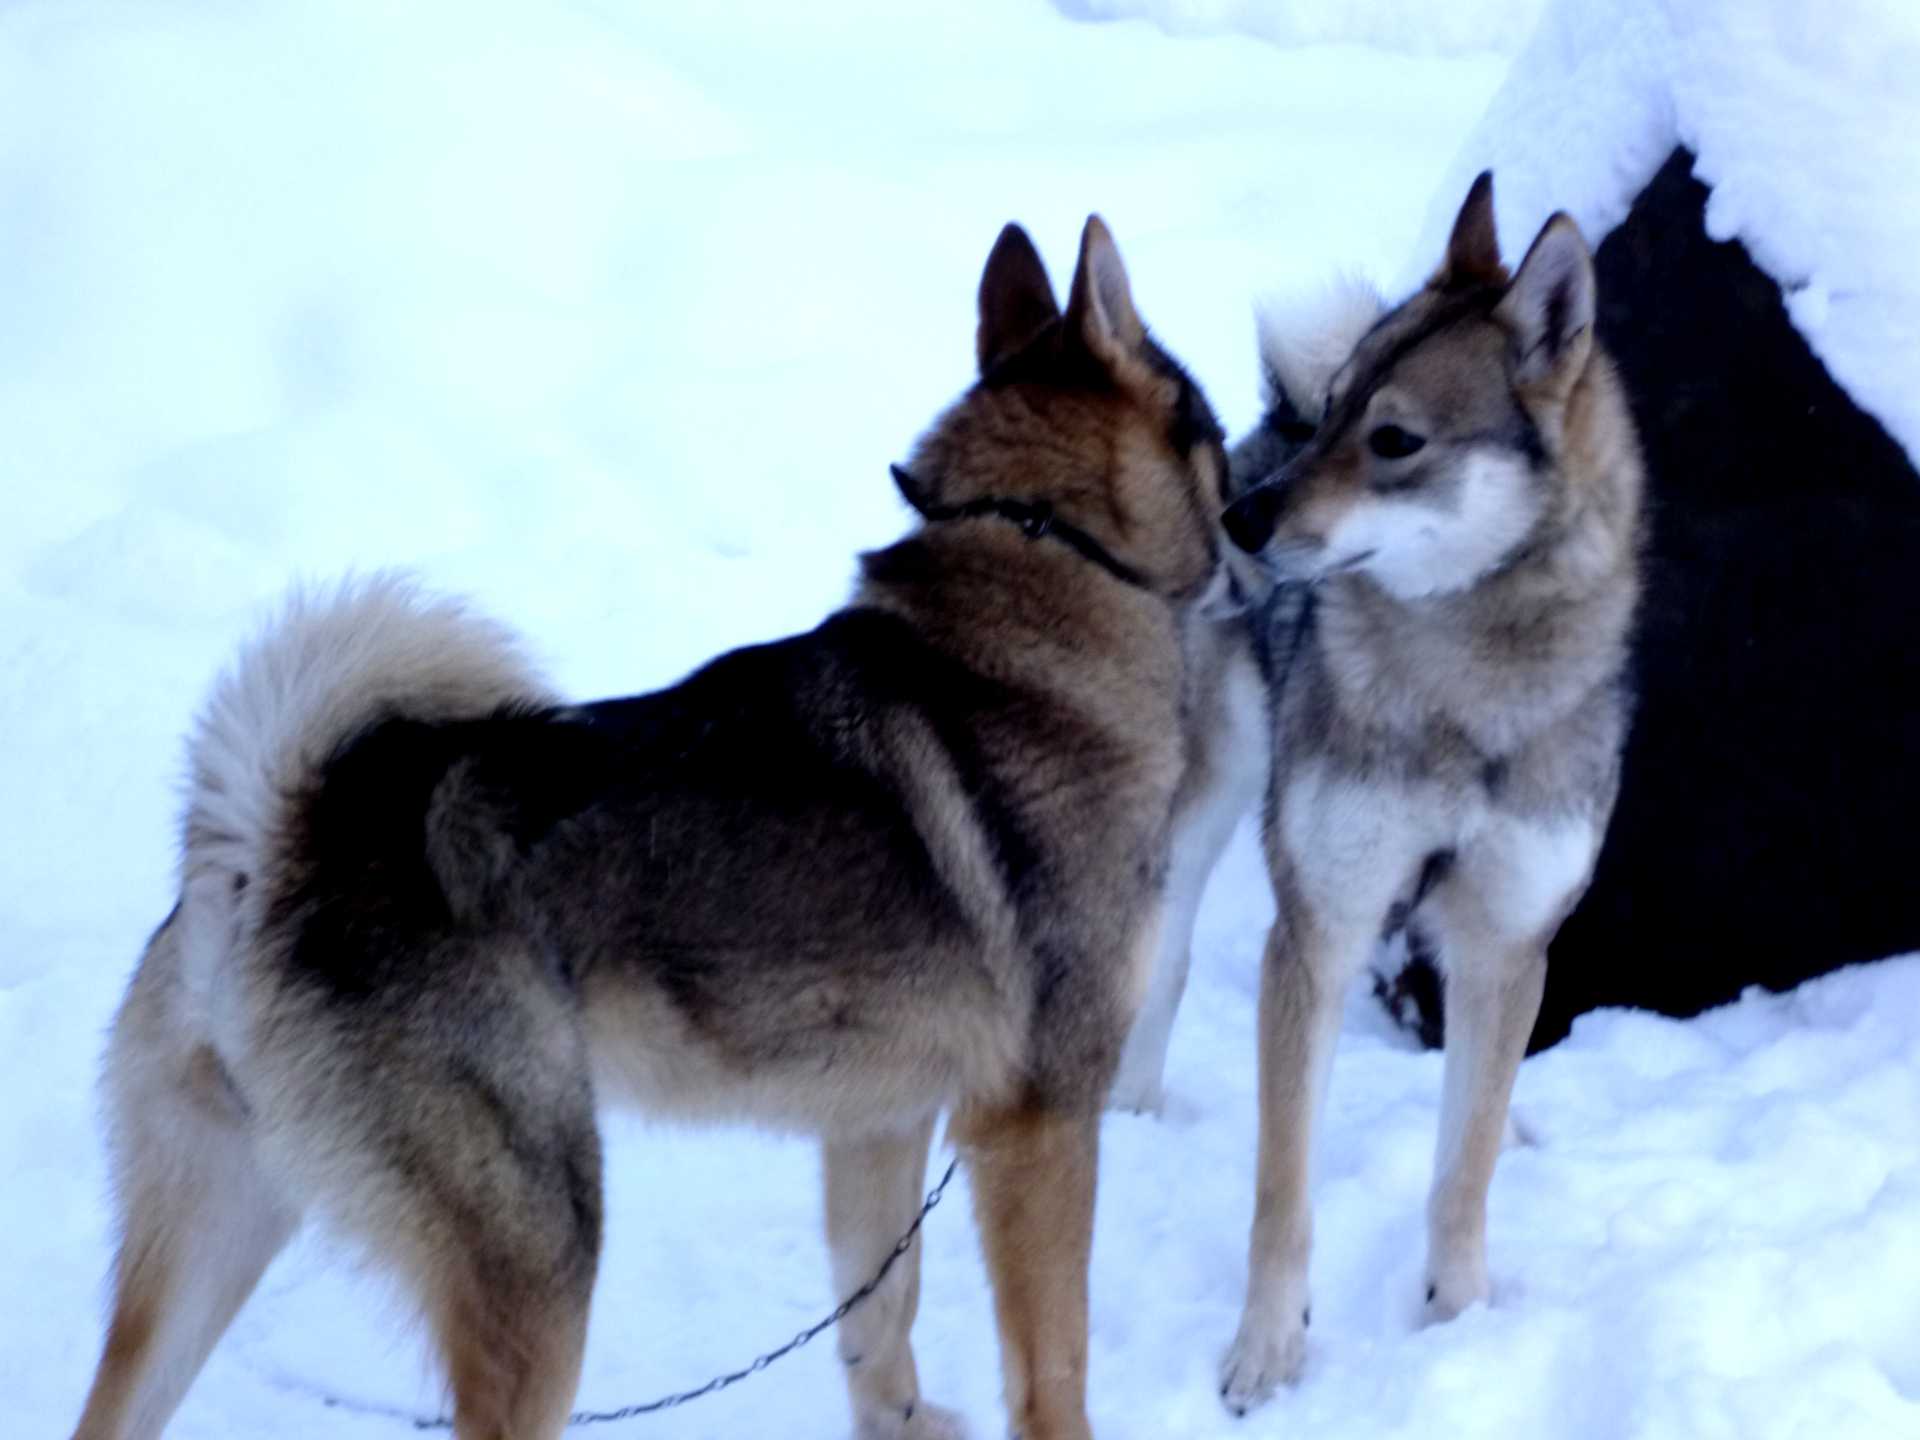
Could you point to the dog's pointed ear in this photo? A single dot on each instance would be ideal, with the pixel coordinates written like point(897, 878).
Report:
point(913, 489)
point(1100, 311)
point(1550, 306)
point(1016, 298)
point(1473, 249)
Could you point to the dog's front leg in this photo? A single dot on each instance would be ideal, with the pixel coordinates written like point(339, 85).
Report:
point(1305, 975)
point(874, 1187)
point(1492, 1000)
point(1033, 1173)
point(1139, 1085)
point(1494, 916)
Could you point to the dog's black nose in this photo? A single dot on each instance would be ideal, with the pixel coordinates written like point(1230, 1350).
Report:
point(1249, 520)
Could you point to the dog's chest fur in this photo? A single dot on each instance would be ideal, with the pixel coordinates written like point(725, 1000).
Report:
point(1486, 724)
point(1493, 717)
point(1473, 678)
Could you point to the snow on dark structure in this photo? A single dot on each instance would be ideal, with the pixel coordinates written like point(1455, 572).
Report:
point(1762, 299)
point(1805, 124)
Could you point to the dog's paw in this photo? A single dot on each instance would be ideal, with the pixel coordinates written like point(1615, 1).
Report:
point(1452, 1289)
point(1262, 1359)
point(920, 1422)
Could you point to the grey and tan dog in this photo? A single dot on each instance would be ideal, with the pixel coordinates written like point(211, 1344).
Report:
point(1235, 653)
point(431, 917)
point(1448, 730)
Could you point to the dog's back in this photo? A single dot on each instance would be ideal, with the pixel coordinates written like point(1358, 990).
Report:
point(779, 890)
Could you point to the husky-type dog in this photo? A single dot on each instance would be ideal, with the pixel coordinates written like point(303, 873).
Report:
point(913, 860)
point(1235, 652)
point(1448, 731)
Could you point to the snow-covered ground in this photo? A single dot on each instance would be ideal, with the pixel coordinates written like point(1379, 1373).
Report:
point(613, 316)
point(1458, 27)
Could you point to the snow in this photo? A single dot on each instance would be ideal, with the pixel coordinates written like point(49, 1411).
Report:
point(613, 317)
point(1460, 27)
point(1805, 121)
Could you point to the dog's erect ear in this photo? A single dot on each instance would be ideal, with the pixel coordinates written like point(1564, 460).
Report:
point(1473, 250)
point(1100, 311)
point(1549, 308)
point(912, 489)
point(1016, 298)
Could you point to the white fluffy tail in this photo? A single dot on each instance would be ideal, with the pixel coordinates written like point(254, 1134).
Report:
point(328, 665)
point(1306, 337)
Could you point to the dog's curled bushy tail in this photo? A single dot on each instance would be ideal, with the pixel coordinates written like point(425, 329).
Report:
point(329, 664)
point(202, 1209)
point(1304, 339)
point(1306, 336)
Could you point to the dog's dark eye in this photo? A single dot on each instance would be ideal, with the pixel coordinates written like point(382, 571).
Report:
point(1391, 442)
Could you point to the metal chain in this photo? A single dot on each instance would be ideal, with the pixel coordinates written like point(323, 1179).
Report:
point(840, 1312)
point(720, 1382)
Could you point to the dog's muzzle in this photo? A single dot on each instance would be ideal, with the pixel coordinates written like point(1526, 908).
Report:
point(1253, 524)
point(1249, 521)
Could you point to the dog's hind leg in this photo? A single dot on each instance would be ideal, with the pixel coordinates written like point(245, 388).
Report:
point(459, 1144)
point(499, 1244)
point(512, 1342)
point(1033, 1173)
point(199, 1219)
point(874, 1187)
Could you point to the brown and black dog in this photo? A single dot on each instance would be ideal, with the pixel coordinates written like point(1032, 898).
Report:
point(432, 916)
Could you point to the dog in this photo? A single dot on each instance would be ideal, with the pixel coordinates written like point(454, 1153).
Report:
point(1467, 516)
point(1781, 517)
point(913, 861)
point(1237, 651)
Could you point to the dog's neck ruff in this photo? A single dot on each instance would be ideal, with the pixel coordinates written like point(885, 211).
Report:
point(1036, 519)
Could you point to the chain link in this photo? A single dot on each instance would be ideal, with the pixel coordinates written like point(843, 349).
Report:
point(720, 1382)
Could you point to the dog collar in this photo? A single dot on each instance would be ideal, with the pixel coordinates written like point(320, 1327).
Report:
point(1036, 519)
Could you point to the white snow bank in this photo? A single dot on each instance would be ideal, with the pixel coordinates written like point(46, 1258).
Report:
point(1806, 123)
point(1456, 28)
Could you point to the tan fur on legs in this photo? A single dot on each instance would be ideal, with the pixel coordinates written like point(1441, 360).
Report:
point(1033, 1173)
point(485, 1191)
point(1491, 1007)
point(1302, 982)
point(514, 1369)
point(199, 1221)
point(501, 1246)
point(456, 1140)
point(874, 1188)
point(1494, 917)
point(1494, 983)
point(192, 1255)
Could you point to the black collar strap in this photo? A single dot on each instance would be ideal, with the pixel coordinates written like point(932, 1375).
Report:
point(1036, 519)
